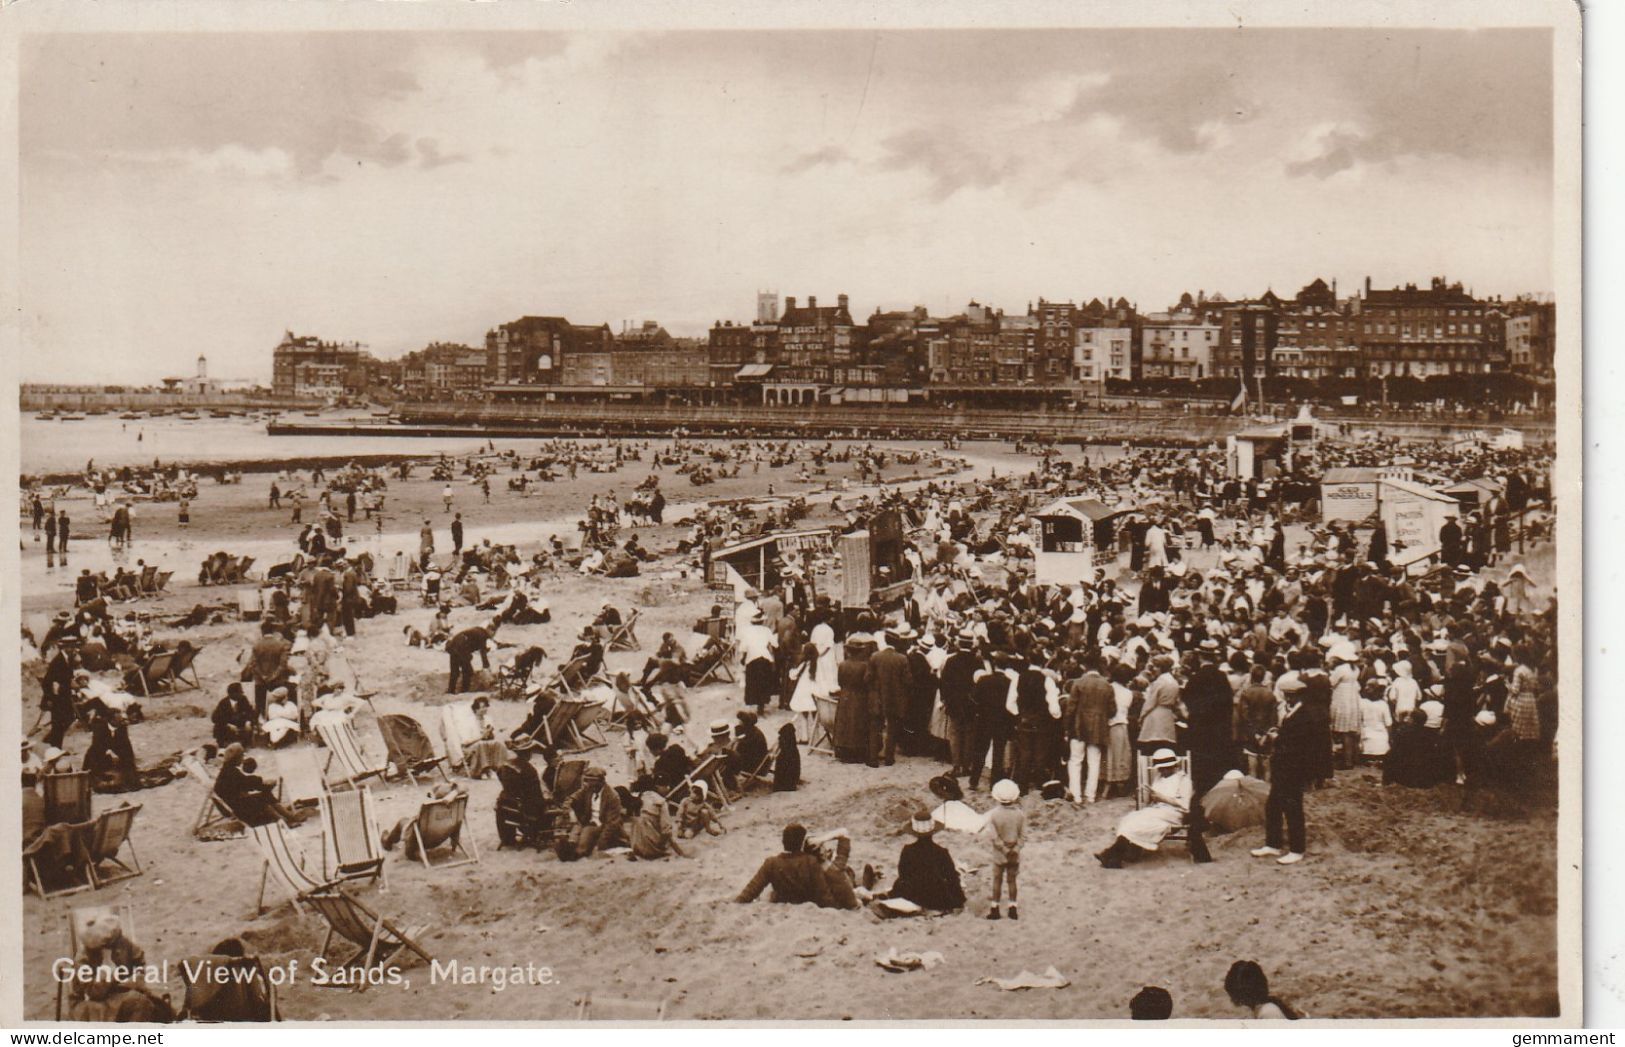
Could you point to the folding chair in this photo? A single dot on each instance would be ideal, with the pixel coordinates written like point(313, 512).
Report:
point(459, 728)
point(148, 582)
point(249, 606)
point(344, 749)
point(709, 771)
point(100, 842)
point(440, 822)
point(377, 939)
point(215, 819)
point(299, 776)
point(761, 773)
point(227, 989)
point(352, 847)
point(63, 840)
point(719, 667)
point(156, 672)
point(284, 860)
point(181, 667)
point(567, 779)
point(620, 1009)
point(626, 712)
point(1143, 779)
point(624, 637)
point(572, 677)
point(562, 730)
point(79, 920)
point(410, 751)
point(823, 736)
point(67, 796)
point(587, 724)
point(161, 580)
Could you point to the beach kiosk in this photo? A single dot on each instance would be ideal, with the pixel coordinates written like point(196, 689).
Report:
point(1257, 454)
point(1412, 513)
point(1066, 535)
point(758, 560)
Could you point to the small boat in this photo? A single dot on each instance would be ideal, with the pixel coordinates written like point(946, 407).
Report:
point(70, 417)
point(218, 413)
point(130, 416)
point(46, 416)
point(313, 414)
point(190, 416)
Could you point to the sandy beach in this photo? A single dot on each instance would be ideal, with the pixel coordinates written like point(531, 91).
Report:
point(1408, 906)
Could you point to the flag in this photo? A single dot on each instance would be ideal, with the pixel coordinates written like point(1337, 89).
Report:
point(1241, 398)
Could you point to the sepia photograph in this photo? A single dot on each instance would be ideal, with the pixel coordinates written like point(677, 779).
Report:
point(523, 517)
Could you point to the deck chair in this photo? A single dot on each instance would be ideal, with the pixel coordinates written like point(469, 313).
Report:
point(823, 733)
point(561, 730)
point(440, 822)
point(411, 753)
point(377, 940)
point(148, 583)
point(300, 776)
point(156, 672)
point(718, 666)
point(1143, 777)
point(709, 771)
point(624, 637)
point(571, 677)
point(59, 853)
point(215, 819)
point(161, 580)
point(249, 606)
point(641, 711)
point(620, 1009)
point(101, 841)
point(567, 779)
point(588, 723)
point(344, 749)
point(352, 847)
point(79, 920)
point(67, 796)
point(458, 728)
point(283, 859)
point(227, 989)
point(762, 773)
point(178, 673)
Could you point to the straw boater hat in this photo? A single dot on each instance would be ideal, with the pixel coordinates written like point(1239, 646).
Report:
point(922, 824)
point(1164, 758)
point(720, 727)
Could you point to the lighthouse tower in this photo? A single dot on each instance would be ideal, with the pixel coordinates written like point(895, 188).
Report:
point(202, 368)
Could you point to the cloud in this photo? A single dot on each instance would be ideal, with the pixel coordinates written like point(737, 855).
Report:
point(430, 156)
point(830, 155)
point(951, 165)
point(1177, 108)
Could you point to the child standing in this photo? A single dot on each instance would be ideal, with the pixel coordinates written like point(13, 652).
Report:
point(1007, 825)
point(185, 513)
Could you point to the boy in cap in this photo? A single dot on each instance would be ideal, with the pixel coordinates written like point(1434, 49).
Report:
point(1007, 828)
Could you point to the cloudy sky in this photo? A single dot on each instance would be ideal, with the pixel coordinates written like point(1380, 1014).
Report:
point(201, 193)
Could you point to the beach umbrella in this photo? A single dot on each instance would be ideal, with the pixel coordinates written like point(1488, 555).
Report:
point(1236, 802)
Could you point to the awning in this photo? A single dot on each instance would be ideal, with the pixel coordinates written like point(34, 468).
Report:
point(754, 371)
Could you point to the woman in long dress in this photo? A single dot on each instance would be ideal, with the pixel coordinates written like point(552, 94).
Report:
point(852, 714)
point(1119, 752)
point(1346, 718)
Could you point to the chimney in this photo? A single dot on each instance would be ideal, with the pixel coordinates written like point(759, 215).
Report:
point(1368, 286)
point(812, 301)
point(789, 302)
point(840, 300)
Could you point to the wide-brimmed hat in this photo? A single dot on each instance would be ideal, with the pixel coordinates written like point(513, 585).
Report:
point(1164, 758)
point(902, 631)
point(922, 824)
point(720, 727)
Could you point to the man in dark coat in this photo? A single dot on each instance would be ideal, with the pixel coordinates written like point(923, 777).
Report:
point(56, 696)
point(1317, 701)
point(922, 698)
point(893, 683)
point(461, 648)
point(796, 876)
point(958, 679)
point(1087, 716)
point(1210, 736)
point(926, 874)
point(992, 724)
point(1294, 763)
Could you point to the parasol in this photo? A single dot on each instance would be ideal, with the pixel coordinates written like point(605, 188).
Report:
point(1236, 802)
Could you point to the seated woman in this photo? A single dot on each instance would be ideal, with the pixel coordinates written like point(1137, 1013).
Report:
point(1143, 830)
point(532, 730)
point(116, 990)
point(926, 874)
point(234, 719)
point(282, 717)
point(651, 832)
point(484, 754)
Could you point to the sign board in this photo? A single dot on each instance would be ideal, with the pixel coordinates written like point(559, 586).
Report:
point(1348, 501)
point(855, 567)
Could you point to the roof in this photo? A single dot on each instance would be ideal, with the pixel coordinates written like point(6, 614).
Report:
point(1091, 508)
point(1476, 484)
point(754, 371)
point(1351, 475)
point(1258, 435)
point(1419, 490)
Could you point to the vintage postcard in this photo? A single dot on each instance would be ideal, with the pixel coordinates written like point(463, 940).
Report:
point(1003, 513)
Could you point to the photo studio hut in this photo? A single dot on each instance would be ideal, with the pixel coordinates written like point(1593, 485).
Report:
point(758, 562)
point(1066, 534)
point(874, 568)
point(1411, 512)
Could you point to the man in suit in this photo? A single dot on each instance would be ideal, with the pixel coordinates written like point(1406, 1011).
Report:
point(1210, 736)
point(958, 681)
point(461, 648)
point(598, 815)
point(1293, 765)
point(893, 684)
point(1090, 705)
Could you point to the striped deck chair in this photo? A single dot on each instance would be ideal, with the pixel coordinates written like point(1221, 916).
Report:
point(56, 851)
point(561, 730)
point(440, 822)
point(215, 820)
point(823, 734)
point(459, 728)
point(67, 796)
point(155, 673)
point(411, 753)
point(284, 860)
point(624, 637)
point(344, 749)
point(299, 774)
point(620, 1009)
point(101, 841)
point(377, 939)
point(249, 606)
point(352, 847)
